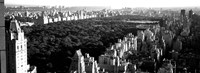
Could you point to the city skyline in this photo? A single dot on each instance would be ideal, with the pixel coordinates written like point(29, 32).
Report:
point(93, 36)
point(114, 4)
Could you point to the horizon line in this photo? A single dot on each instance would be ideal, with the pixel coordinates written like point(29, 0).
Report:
point(26, 5)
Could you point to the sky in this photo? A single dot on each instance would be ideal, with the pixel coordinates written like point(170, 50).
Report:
point(115, 4)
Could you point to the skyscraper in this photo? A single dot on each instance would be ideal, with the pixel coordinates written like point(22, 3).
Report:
point(183, 16)
point(183, 12)
point(13, 48)
point(190, 14)
point(26, 14)
point(16, 46)
point(77, 63)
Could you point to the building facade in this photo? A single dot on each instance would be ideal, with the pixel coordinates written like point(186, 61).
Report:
point(14, 54)
point(81, 64)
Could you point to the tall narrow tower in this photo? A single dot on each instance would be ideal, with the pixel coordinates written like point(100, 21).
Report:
point(13, 48)
point(16, 46)
point(190, 14)
point(183, 16)
point(183, 12)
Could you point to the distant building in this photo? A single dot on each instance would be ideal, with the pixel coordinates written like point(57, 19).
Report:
point(64, 19)
point(182, 15)
point(190, 14)
point(149, 35)
point(26, 23)
point(141, 35)
point(26, 14)
point(182, 12)
point(114, 59)
point(50, 20)
point(91, 65)
point(42, 20)
point(112, 64)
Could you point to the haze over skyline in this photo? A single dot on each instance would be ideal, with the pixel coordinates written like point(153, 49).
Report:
point(110, 3)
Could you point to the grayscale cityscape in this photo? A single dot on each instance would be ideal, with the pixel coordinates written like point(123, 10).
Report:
point(100, 36)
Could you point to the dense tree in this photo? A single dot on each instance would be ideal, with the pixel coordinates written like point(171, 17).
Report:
point(51, 46)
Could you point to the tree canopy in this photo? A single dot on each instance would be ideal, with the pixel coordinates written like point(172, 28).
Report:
point(51, 46)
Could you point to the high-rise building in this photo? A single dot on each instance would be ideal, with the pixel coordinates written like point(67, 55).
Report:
point(81, 64)
point(26, 14)
point(182, 12)
point(183, 17)
point(77, 63)
point(190, 14)
point(16, 46)
point(13, 48)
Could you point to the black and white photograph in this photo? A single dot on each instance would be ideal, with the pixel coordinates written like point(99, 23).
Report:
point(99, 36)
